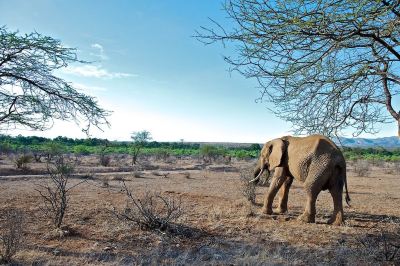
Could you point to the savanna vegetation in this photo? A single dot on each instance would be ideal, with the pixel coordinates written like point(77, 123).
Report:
point(326, 65)
point(39, 147)
point(82, 201)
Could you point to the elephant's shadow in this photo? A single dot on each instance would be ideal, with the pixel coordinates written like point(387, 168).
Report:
point(367, 218)
point(361, 219)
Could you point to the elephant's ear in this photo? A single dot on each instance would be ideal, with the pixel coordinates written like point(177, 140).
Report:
point(276, 152)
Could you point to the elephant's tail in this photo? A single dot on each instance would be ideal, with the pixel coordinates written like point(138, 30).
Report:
point(347, 198)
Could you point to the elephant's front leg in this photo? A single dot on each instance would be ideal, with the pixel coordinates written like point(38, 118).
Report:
point(277, 180)
point(284, 195)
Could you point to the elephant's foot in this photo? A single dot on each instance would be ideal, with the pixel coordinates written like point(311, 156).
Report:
point(280, 210)
point(265, 210)
point(306, 218)
point(336, 219)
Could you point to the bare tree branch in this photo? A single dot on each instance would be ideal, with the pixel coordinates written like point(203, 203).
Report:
point(31, 95)
point(321, 63)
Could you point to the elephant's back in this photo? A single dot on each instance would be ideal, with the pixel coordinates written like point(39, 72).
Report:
point(311, 154)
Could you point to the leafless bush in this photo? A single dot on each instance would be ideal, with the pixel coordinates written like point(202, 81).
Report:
point(247, 189)
point(151, 212)
point(378, 162)
point(396, 167)
point(11, 236)
point(384, 247)
point(165, 175)
point(55, 194)
point(392, 168)
point(227, 159)
point(104, 160)
point(38, 156)
point(118, 178)
point(361, 168)
point(104, 182)
point(21, 161)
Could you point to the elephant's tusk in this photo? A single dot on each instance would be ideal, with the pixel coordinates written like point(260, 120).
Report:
point(257, 177)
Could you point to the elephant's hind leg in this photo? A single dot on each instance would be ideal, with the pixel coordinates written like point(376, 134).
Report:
point(309, 213)
point(312, 189)
point(337, 217)
point(284, 195)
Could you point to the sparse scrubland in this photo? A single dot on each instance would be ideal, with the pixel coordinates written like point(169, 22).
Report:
point(182, 205)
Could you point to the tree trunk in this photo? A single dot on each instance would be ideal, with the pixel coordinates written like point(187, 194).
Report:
point(398, 128)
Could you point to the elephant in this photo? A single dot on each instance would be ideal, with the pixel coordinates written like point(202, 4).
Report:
point(315, 161)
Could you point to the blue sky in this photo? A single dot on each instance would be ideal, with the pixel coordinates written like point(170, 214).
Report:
point(149, 71)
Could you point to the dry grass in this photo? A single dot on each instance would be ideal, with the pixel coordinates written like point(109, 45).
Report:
point(225, 228)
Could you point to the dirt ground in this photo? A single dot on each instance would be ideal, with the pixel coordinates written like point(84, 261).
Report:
point(224, 228)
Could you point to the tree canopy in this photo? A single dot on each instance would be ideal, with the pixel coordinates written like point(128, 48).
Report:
point(326, 65)
point(31, 95)
point(140, 139)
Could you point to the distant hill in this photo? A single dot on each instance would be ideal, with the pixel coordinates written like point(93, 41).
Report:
point(387, 142)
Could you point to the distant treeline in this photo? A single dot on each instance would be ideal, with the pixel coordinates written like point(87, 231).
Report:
point(371, 154)
point(96, 146)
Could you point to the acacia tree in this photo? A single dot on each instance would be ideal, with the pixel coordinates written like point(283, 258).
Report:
point(139, 141)
point(326, 65)
point(31, 95)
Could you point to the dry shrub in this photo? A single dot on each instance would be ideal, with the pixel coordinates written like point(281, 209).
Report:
point(118, 178)
point(21, 161)
point(104, 182)
point(55, 194)
point(247, 189)
point(104, 160)
point(151, 212)
point(38, 156)
point(11, 236)
point(378, 163)
point(165, 175)
point(396, 167)
point(383, 247)
point(361, 168)
point(392, 168)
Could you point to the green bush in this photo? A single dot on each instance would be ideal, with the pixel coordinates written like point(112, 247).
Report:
point(53, 148)
point(162, 153)
point(81, 150)
point(210, 153)
point(6, 147)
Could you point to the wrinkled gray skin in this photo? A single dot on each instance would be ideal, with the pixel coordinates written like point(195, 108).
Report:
point(315, 161)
